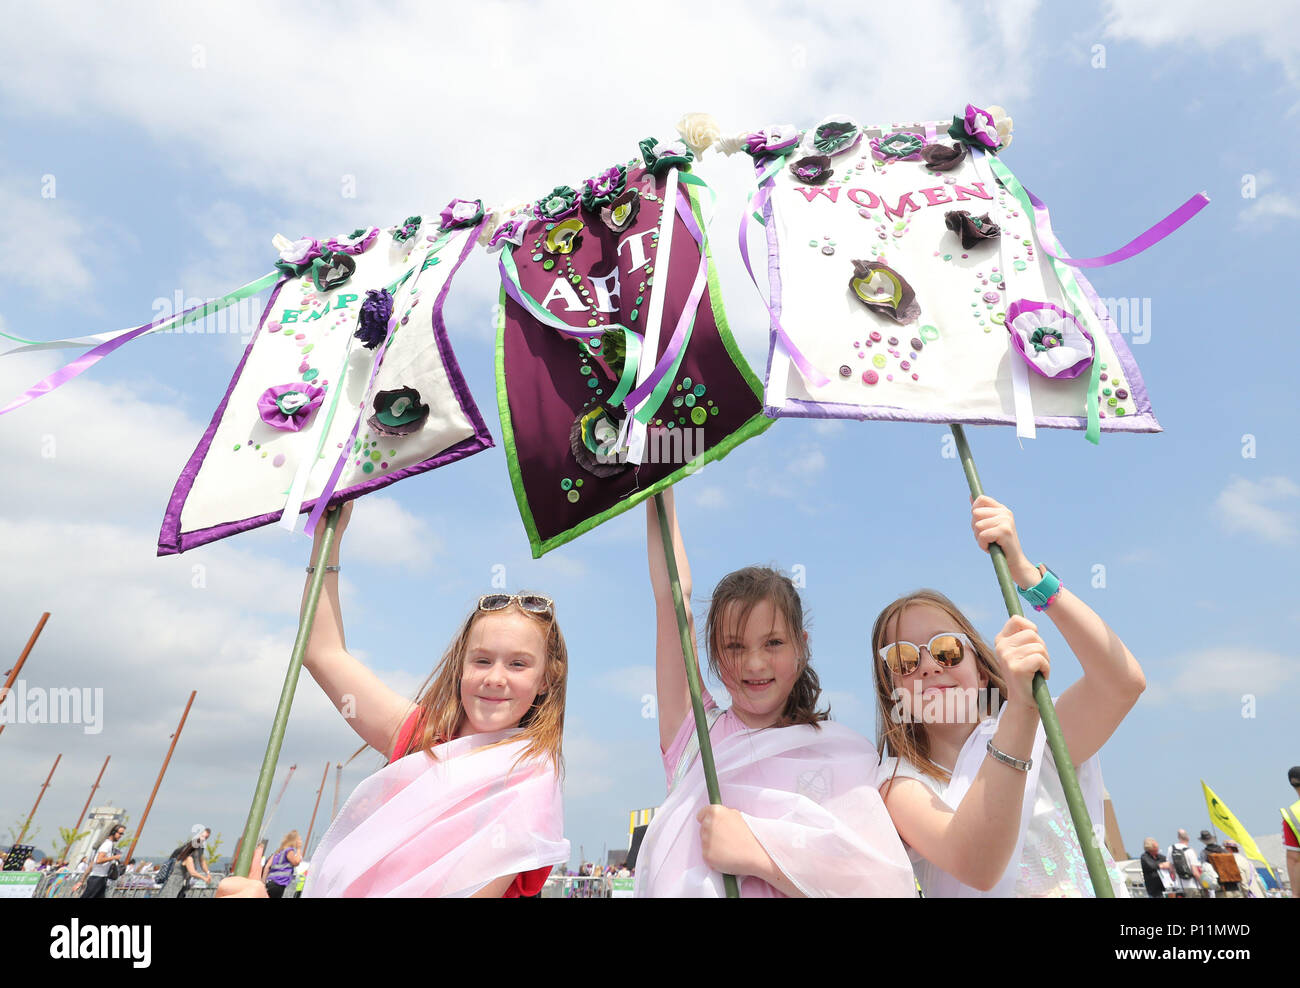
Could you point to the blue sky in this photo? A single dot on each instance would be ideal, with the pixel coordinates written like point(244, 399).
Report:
point(179, 141)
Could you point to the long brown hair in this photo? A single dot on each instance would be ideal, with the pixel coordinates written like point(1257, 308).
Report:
point(905, 738)
point(735, 596)
point(542, 725)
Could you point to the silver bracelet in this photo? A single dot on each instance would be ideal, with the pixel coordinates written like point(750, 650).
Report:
point(1006, 759)
point(328, 569)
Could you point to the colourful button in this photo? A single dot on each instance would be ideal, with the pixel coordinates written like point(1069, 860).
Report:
point(1119, 411)
point(698, 415)
point(916, 343)
point(870, 377)
point(565, 484)
point(845, 371)
point(1112, 402)
point(1121, 393)
point(690, 400)
point(1000, 318)
point(875, 337)
point(699, 390)
point(878, 360)
point(572, 496)
point(929, 333)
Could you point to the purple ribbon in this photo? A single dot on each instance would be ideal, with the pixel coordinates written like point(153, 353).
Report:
point(86, 361)
point(687, 317)
point(810, 373)
point(1151, 236)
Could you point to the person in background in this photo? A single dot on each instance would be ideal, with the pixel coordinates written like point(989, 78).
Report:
point(1291, 833)
point(1186, 867)
point(1155, 869)
point(1251, 884)
point(279, 871)
point(96, 880)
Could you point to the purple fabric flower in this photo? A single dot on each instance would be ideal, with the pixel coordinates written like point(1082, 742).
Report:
point(971, 229)
point(372, 324)
point(556, 204)
point(941, 158)
point(979, 124)
point(779, 139)
point(358, 241)
point(813, 169)
point(604, 188)
point(509, 232)
point(460, 213)
point(1072, 350)
point(297, 257)
point(289, 407)
point(408, 229)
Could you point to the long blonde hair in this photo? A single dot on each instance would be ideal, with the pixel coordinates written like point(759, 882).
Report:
point(543, 724)
point(291, 839)
point(904, 737)
point(744, 589)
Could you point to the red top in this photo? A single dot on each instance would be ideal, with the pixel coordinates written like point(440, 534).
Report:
point(526, 882)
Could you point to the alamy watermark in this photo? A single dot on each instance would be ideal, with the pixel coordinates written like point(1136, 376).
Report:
point(74, 705)
point(240, 316)
point(953, 705)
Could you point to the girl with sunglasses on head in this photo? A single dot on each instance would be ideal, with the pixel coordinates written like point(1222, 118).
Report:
point(969, 780)
point(800, 814)
point(469, 802)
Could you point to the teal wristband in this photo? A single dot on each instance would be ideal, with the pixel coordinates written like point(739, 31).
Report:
point(1044, 592)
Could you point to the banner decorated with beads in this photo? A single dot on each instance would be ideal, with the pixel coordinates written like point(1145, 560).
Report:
point(912, 279)
point(616, 373)
point(348, 384)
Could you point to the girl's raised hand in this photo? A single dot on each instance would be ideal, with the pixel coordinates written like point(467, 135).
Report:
point(992, 521)
point(345, 514)
point(1021, 653)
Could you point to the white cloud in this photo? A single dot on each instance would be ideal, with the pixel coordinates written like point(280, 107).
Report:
point(1249, 506)
point(44, 240)
point(711, 497)
point(1266, 25)
point(629, 682)
point(1219, 676)
point(382, 531)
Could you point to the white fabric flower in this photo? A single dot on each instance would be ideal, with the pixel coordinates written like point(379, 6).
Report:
point(297, 251)
point(1002, 124)
point(699, 131)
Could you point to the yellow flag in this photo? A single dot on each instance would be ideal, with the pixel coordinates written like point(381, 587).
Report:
point(1223, 820)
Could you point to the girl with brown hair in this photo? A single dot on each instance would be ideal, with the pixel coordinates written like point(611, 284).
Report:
point(800, 814)
point(969, 781)
point(469, 803)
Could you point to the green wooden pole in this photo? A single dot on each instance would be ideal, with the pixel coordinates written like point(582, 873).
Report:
point(692, 677)
point(264, 779)
point(1047, 713)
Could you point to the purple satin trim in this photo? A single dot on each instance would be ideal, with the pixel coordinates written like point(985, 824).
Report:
point(86, 361)
point(1153, 235)
point(810, 373)
point(687, 316)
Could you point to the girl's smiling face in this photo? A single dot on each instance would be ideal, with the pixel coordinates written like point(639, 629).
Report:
point(929, 685)
point(760, 663)
point(504, 670)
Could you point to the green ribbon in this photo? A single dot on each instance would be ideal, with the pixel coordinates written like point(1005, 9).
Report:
point(1072, 291)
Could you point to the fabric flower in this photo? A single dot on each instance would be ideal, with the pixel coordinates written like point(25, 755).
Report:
point(331, 270)
point(460, 213)
point(1049, 339)
point(510, 232)
point(289, 407)
point(989, 130)
point(564, 237)
point(593, 440)
point(358, 241)
point(408, 229)
point(660, 156)
point(559, 202)
point(372, 324)
point(813, 169)
point(971, 229)
point(882, 289)
point(297, 257)
point(398, 412)
point(832, 136)
point(943, 158)
point(699, 131)
point(604, 188)
point(620, 214)
point(779, 139)
point(900, 146)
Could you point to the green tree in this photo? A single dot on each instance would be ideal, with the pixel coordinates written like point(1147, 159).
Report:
point(17, 828)
point(69, 837)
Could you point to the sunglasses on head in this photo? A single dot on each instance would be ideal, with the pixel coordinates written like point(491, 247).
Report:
point(533, 603)
point(946, 648)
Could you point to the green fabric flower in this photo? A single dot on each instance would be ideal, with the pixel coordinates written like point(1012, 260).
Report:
point(659, 157)
point(560, 201)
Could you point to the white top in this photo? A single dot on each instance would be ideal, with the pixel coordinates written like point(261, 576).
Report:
point(1050, 860)
point(101, 870)
point(1193, 860)
point(29, 864)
